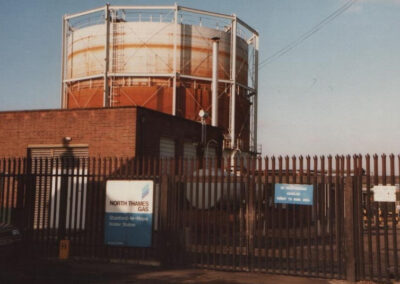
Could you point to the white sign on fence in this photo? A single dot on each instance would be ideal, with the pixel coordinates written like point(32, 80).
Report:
point(384, 193)
point(129, 213)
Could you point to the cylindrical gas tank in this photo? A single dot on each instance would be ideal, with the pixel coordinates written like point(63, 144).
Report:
point(142, 59)
point(147, 48)
point(141, 56)
point(210, 187)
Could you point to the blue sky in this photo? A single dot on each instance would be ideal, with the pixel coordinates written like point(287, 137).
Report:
point(337, 92)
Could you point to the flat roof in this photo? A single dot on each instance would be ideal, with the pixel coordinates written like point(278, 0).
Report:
point(169, 116)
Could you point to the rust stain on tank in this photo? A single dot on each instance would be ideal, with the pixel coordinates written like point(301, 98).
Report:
point(94, 48)
point(155, 46)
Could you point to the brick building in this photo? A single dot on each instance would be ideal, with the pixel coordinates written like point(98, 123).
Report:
point(118, 131)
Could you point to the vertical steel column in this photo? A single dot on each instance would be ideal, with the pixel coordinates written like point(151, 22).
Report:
point(175, 61)
point(106, 91)
point(233, 84)
point(63, 63)
point(214, 87)
point(255, 102)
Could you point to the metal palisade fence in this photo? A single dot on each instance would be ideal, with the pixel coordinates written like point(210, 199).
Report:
point(219, 214)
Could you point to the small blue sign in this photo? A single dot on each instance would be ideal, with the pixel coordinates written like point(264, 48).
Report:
point(301, 194)
point(128, 229)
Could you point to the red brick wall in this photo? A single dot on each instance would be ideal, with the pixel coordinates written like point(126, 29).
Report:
point(108, 132)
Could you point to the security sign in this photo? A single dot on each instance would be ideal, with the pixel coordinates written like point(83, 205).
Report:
point(384, 193)
point(129, 213)
point(301, 194)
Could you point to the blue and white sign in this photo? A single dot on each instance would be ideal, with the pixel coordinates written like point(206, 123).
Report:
point(301, 194)
point(129, 213)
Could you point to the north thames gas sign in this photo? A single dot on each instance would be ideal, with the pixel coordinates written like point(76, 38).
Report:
point(129, 213)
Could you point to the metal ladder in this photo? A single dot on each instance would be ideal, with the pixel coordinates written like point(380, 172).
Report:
point(117, 56)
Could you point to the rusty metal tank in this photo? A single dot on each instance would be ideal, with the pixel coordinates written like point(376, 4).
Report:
point(144, 60)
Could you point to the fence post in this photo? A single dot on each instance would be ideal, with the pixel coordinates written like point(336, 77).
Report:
point(349, 243)
point(164, 242)
point(250, 225)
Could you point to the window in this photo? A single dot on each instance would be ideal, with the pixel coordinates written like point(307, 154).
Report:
point(167, 148)
point(189, 150)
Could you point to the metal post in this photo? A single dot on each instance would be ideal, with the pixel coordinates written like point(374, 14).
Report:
point(203, 131)
point(255, 102)
point(250, 212)
point(349, 230)
point(163, 248)
point(233, 85)
point(175, 61)
point(106, 92)
point(63, 57)
point(214, 88)
point(203, 115)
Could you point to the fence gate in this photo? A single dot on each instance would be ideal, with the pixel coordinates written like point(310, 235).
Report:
point(227, 219)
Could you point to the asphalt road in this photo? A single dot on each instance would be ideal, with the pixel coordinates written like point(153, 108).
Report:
point(55, 271)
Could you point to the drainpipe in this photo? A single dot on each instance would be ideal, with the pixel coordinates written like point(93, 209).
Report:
point(214, 84)
point(106, 90)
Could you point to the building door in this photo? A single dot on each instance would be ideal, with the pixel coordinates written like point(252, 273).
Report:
point(60, 187)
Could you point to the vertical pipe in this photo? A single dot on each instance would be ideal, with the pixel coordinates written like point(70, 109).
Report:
point(63, 63)
point(255, 102)
point(233, 85)
point(175, 61)
point(204, 132)
point(106, 102)
point(214, 87)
